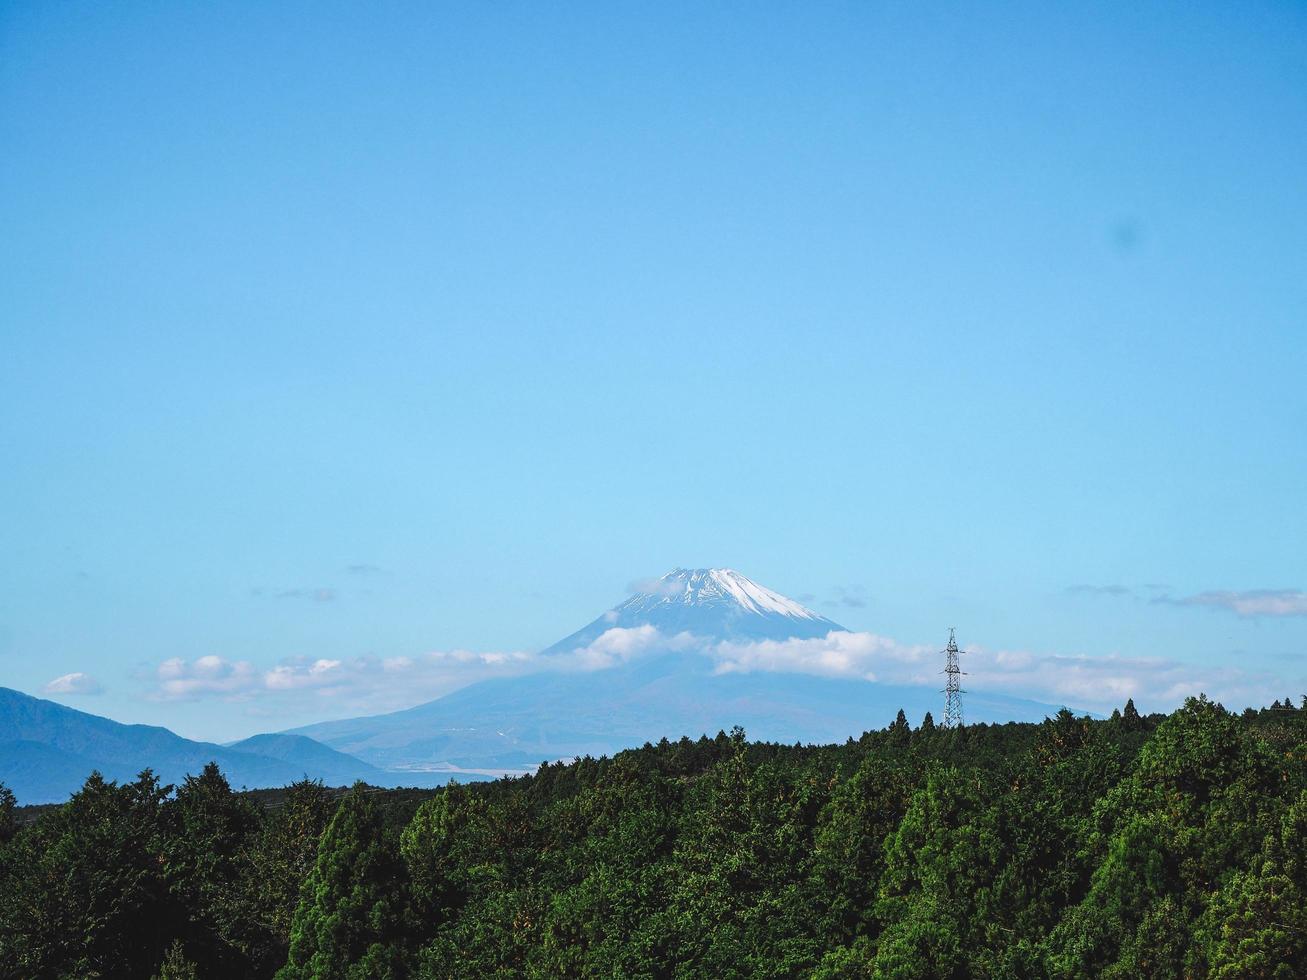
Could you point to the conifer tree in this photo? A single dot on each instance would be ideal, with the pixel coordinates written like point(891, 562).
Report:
point(1130, 716)
point(900, 730)
point(209, 828)
point(7, 807)
point(90, 898)
point(350, 921)
point(274, 866)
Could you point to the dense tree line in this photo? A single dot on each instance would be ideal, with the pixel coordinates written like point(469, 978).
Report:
point(1160, 846)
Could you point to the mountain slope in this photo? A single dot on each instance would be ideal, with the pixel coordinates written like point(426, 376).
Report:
point(327, 764)
point(40, 773)
point(47, 750)
point(668, 691)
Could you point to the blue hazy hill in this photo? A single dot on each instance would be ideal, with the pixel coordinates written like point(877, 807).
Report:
point(47, 750)
point(306, 755)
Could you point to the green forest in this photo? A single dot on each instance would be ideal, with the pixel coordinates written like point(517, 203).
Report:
point(1136, 846)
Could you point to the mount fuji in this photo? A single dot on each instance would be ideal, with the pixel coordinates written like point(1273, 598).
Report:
point(714, 603)
point(643, 671)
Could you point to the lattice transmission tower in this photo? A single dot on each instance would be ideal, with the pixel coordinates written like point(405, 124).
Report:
point(952, 686)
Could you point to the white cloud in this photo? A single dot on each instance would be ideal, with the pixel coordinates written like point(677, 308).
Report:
point(376, 684)
point(620, 644)
point(1251, 602)
point(363, 683)
point(320, 673)
point(837, 654)
point(74, 683)
point(371, 684)
point(179, 680)
point(1081, 681)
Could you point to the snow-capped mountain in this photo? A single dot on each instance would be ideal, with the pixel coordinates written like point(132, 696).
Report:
point(713, 604)
point(667, 691)
point(723, 588)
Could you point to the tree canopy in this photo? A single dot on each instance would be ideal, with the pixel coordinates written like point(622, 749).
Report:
point(1158, 846)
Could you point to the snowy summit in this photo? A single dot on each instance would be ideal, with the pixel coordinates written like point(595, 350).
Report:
point(715, 586)
point(714, 604)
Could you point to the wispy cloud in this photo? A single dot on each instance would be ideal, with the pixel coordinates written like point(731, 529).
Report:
point(363, 568)
point(849, 596)
point(74, 683)
point(1103, 590)
point(1250, 603)
point(654, 586)
point(321, 593)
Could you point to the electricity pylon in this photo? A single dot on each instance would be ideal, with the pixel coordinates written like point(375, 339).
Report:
point(953, 686)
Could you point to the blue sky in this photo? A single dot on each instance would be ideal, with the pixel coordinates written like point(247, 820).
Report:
point(363, 331)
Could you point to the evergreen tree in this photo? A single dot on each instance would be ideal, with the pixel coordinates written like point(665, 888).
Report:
point(1256, 925)
point(939, 863)
point(1130, 716)
point(273, 868)
point(209, 830)
point(900, 731)
point(434, 848)
point(849, 851)
point(86, 894)
point(8, 806)
point(1194, 807)
point(350, 921)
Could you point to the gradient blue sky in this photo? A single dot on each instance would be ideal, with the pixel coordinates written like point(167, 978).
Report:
point(365, 330)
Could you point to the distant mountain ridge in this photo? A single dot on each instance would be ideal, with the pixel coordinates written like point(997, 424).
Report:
point(303, 753)
point(47, 750)
point(667, 691)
